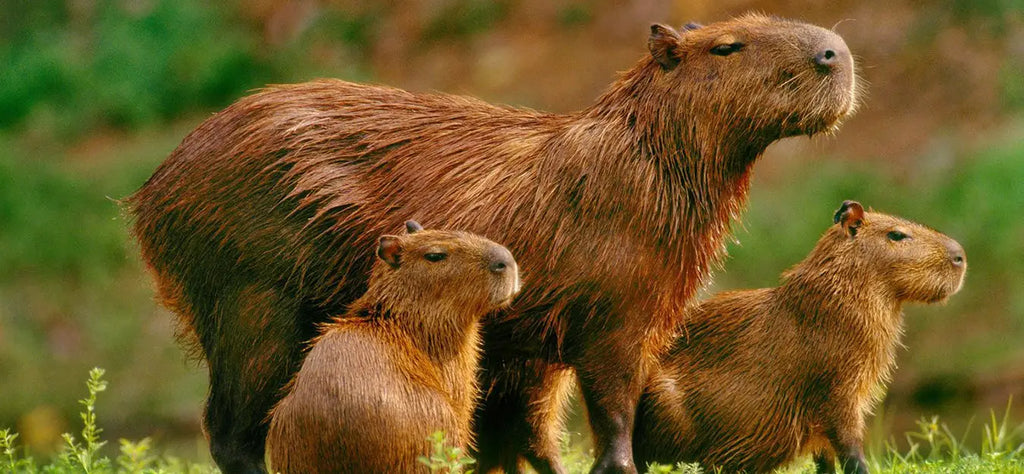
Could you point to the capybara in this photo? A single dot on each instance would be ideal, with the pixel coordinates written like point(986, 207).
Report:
point(257, 226)
point(400, 364)
point(757, 378)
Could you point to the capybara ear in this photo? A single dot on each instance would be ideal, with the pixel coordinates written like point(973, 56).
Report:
point(389, 249)
point(850, 215)
point(412, 227)
point(663, 44)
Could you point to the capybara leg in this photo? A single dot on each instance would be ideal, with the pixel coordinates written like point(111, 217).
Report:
point(249, 364)
point(611, 393)
point(852, 460)
point(546, 414)
point(824, 464)
point(521, 416)
point(236, 443)
point(847, 445)
point(847, 442)
point(500, 422)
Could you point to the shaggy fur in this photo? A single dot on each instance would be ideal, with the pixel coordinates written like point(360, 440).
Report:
point(257, 226)
point(760, 377)
point(400, 364)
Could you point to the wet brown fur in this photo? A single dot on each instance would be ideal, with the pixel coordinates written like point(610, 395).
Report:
point(616, 214)
point(760, 377)
point(397, 366)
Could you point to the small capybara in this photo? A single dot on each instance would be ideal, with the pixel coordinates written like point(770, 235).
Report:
point(400, 364)
point(760, 377)
point(257, 226)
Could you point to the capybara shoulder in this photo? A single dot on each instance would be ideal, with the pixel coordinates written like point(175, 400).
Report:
point(760, 377)
point(400, 364)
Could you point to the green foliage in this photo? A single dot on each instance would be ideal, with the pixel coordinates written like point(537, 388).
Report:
point(460, 18)
point(445, 459)
point(124, 65)
point(85, 457)
point(680, 468)
point(120, 65)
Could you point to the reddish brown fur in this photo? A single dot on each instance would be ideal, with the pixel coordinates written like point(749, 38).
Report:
point(616, 214)
point(399, 365)
point(760, 377)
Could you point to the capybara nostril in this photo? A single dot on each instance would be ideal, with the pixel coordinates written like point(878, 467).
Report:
point(499, 260)
point(825, 58)
point(956, 254)
point(831, 55)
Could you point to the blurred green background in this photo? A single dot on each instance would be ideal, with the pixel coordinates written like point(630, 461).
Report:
point(95, 93)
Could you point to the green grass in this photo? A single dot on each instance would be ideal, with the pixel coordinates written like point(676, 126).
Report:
point(933, 448)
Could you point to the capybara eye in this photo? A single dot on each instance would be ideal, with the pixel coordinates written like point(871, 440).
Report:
point(896, 235)
point(726, 49)
point(435, 256)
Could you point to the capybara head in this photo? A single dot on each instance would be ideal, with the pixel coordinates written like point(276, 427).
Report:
point(911, 261)
point(758, 71)
point(443, 269)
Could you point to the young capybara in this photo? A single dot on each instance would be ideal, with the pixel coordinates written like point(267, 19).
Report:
point(256, 227)
point(400, 364)
point(760, 377)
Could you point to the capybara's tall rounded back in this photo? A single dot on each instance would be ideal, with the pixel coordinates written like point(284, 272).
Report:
point(400, 364)
point(760, 377)
point(257, 225)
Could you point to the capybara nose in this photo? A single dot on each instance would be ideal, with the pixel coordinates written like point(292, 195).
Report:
point(956, 254)
point(832, 54)
point(498, 267)
point(500, 260)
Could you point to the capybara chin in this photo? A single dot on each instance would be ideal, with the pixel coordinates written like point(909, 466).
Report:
point(758, 378)
point(400, 364)
point(257, 226)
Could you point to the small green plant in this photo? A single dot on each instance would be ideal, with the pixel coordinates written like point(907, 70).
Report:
point(445, 459)
point(85, 456)
point(680, 468)
point(11, 463)
point(135, 457)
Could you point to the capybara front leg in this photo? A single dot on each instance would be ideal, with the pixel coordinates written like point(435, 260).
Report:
point(611, 391)
point(824, 463)
point(852, 459)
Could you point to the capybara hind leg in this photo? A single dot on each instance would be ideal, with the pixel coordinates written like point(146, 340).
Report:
point(546, 412)
point(521, 417)
point(235, 447)
point(249, 365)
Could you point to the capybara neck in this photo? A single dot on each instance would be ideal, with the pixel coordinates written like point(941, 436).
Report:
point(441, 331)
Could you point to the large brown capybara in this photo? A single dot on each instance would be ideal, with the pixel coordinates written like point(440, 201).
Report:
point(400, 364)
point(257, 226)
point(760, 377)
